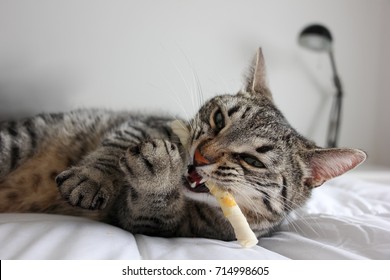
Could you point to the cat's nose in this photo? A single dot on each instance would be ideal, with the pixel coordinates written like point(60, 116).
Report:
point(199, 159)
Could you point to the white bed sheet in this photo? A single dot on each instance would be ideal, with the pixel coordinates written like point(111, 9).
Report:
point(346, 218)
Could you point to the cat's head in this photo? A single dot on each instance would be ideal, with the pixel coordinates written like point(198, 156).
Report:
point(244, 144)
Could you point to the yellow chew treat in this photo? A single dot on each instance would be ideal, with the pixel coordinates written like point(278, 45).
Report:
point(245, 236)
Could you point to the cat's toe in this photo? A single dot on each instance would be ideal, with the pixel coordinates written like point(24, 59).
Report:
point(63, 176)
point(66, 182)
point(79, 188)
point(88, 194)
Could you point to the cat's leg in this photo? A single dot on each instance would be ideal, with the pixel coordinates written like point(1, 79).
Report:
point(154, 172)
point(90, 184)
point(94, 181)
point(153, 165)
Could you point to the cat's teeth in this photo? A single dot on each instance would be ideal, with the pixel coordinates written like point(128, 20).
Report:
point(202, 181)
point(193, 185)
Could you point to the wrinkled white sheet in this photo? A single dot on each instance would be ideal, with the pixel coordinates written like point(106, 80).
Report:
point(346, 218)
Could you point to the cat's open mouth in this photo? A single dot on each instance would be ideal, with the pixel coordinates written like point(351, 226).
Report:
point(196, 182)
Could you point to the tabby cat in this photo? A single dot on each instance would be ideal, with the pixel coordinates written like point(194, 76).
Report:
point(130, 170)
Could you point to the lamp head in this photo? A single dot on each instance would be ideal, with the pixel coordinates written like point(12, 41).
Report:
point(316, 37)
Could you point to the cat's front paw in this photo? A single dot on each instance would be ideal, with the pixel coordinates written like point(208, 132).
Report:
point(153, 163)
point(84, 187)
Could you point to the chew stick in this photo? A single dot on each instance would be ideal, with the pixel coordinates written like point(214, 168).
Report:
point(244, 234)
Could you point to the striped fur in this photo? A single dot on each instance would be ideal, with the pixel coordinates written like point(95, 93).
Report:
point(130, 170)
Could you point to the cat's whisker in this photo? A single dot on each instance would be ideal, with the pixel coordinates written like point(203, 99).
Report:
point(196, 81)
point(292, 226)
point(294, 209)
point(178, 102)
point(189, 90)
point(295, 224)
point(199, 88)
point(248, 198)
point(276, 198)
point(312, 225)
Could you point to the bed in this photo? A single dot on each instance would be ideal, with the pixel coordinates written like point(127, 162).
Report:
point(346, 218)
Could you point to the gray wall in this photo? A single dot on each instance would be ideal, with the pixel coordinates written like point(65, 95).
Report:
point(59, 55)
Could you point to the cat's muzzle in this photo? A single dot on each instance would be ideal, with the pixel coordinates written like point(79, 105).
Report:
point(196, 182)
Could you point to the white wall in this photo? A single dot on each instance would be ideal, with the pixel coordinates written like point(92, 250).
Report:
point(382, 155)
point(58, 55)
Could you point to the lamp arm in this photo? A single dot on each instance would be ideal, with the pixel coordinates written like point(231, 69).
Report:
point(335, 114)
point(336, 78)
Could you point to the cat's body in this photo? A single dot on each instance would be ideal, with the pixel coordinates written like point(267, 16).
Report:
point(94, 141)
point(132, 171)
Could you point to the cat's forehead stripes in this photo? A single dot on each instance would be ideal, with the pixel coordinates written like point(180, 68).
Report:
point(248, 120)
point(233, 110)
point(242, 106)
point(265, 148)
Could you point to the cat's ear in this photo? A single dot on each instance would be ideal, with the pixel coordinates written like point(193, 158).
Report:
point(256, 83)
point(325, 164)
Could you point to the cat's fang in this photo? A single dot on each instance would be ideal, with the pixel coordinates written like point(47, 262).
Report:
point(193, 177)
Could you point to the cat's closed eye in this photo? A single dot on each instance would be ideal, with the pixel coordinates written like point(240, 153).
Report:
point(218, 120)
point(250, 160)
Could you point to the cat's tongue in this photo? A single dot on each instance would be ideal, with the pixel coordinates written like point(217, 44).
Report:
point(196, 181)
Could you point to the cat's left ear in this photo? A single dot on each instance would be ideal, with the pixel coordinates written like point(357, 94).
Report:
point(325, 164)
point(256, 80)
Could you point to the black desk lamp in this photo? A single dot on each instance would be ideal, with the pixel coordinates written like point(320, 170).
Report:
point(318, 38)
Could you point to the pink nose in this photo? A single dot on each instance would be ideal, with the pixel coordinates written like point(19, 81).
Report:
point(199, 159)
